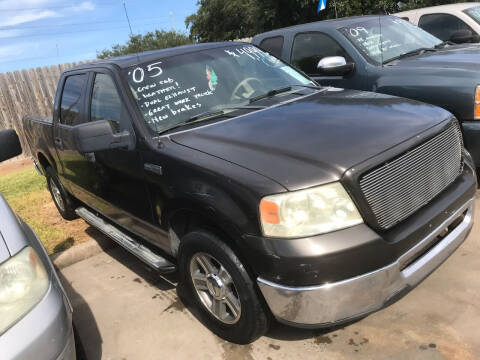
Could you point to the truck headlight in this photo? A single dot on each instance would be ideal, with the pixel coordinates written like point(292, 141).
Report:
point(23, 283)
point(476, 105)
point(308, 212)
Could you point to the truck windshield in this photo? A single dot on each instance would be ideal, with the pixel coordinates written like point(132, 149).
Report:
point(172, 90)
point(385, 38)
point(474, 13)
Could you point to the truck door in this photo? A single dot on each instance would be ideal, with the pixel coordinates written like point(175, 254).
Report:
point(75, 172)
point(120, 192)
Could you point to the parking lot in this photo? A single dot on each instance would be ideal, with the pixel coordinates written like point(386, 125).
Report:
point(124, 311)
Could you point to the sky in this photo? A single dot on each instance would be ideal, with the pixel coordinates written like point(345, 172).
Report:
point(47, 32)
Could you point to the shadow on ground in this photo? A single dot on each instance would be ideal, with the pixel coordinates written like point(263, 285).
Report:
point(277, 330)
point(86, 330)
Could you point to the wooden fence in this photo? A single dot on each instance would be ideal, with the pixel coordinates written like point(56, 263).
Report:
point(28, 92)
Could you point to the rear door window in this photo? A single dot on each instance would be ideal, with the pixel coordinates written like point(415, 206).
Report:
point(273, 45)
point(442, 25)
point(72, 99)
point(106, 103)
point(310, 48)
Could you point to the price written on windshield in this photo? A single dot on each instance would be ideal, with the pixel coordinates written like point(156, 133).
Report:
point(153, 70)
point(354, 32)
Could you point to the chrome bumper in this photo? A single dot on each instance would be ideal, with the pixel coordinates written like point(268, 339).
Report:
point(355, 297)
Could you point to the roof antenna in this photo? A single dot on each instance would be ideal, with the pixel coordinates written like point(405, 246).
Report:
point(128, 19)
point(130, 26)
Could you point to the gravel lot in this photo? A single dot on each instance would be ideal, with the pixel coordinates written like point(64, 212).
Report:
point(123, 311)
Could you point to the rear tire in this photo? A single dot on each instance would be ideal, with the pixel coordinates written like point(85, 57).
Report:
point(221, 291)
point(63, 201)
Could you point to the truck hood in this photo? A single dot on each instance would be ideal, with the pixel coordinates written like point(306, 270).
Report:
point(463, 57)
point(314, 139)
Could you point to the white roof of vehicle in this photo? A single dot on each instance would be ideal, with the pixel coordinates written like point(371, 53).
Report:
point(443, 8)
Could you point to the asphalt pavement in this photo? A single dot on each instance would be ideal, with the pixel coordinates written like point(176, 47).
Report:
point(123, 311)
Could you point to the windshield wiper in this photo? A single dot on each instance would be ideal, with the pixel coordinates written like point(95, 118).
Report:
point(209, 115)
point(271, 93)
point(410, 53)
point(282, 90)
point(316, 87)
point(443, 44)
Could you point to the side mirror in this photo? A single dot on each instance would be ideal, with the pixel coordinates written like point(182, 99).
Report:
point(462, 36)
point(9, 145)
point(335, 66)
point(98, 136)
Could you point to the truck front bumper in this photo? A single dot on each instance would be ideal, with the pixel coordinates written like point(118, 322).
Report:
point(342, 301)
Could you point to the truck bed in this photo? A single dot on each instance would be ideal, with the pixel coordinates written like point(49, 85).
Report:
point(39, 135)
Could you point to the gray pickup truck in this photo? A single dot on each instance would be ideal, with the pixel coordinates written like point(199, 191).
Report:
point(410, 63)
point(35, 313)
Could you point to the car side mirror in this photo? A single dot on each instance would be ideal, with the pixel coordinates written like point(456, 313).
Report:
point(98, 136)
point(335, 66)
point(462, 36)
point(9, 144)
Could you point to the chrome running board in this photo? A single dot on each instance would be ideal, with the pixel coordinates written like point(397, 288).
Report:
point(142, 252)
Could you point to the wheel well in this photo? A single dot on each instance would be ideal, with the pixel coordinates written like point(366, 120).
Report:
point(43, 161)
point(185, 221)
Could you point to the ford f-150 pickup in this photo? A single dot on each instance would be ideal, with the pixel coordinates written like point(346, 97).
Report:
point(268, 194)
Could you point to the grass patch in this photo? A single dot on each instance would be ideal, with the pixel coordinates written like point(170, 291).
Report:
point(27, 194)
point(17, 184)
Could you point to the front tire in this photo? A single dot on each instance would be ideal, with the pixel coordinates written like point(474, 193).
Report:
point(220, 288)
point(62, 200)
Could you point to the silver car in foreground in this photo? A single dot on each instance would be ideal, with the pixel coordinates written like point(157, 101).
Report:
point(35, 313)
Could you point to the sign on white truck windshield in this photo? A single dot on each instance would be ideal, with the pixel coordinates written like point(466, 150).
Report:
point(384, 38)
point(171, 90)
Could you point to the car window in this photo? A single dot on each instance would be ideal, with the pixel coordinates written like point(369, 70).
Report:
point(385, 38)
point(273, 45)
point(171, 90)
point(442, 25)
point(106, 103)
point(310, 48)
point(71, 99)
point(474, 13)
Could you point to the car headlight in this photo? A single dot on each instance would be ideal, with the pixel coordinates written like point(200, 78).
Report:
point(23, 283)
point(308, 212)
point(476, 105)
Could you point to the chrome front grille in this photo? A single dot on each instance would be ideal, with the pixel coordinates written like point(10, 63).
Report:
point(401, 186)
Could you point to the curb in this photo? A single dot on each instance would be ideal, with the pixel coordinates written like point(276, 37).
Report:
point(81, 252)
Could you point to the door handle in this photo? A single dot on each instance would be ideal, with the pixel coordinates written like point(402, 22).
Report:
point(156, 169)
point(58, 142)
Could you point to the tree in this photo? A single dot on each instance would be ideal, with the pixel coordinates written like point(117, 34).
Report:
point(159, 39)
point(218, 20)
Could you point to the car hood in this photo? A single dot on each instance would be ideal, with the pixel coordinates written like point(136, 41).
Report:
point(4, 254)
point(463, 57)
point(314, 139)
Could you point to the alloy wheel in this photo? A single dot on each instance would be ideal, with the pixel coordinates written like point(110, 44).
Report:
point(215, 288)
